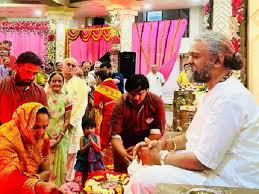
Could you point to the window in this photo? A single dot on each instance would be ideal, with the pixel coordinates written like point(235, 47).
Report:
point(173, 14)
point(154, 16)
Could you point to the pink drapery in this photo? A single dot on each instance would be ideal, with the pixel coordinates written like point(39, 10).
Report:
point(22, 42)
point(157, 43)
point(90, 50)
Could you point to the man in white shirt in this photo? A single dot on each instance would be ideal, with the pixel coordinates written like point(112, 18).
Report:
point(77, 91)
point(221, 145)
point(156, 80)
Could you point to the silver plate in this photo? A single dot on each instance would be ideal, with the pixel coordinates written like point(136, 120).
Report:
point(203, 191)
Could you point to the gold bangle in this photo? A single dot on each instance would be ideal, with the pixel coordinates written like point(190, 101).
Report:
point(173, 144)
point(37, 176)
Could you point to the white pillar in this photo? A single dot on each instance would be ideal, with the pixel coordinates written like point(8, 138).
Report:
point(127, 18)
point(123, 19)
point(195, 21)
point(253, 47)
point(63, 21)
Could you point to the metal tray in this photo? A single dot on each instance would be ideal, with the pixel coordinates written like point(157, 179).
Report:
point(203, 191)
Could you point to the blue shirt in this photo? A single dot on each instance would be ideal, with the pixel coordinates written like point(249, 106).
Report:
point(120, 77)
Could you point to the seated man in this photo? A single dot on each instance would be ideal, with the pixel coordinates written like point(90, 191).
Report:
point(221, 145)
point(136, 115)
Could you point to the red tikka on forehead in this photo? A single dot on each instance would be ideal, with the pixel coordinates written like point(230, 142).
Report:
point(28, 67)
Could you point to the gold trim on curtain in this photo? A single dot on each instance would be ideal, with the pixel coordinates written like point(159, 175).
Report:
point(149, 45)
point(174, 37)
point(85, 34)
point(160, 44)
point(140, 42)
point(107, 35)
point(73, 34)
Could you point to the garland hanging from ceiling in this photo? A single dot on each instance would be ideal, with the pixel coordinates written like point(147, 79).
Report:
point(39, 27)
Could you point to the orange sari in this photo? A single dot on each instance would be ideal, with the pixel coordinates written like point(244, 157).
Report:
point(20, 153)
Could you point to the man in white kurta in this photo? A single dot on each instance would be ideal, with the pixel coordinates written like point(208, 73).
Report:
point(156, 80)
point(222, 142)
point(77, 91)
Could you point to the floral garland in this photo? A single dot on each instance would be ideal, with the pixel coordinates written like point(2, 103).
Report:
point(51, 47)
point(31, 26)
point(237, 18)
point(39, 27)
point(115, 47)
point(208, 9)
point(109, 183)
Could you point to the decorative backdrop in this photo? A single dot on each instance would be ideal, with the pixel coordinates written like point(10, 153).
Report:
point(26, 36)
point(88, 44)
point(229, 18)
point(157, 43)
point(208, 14)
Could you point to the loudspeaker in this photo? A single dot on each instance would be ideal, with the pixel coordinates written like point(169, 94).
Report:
point(98, 21)
point(105, 58)
point(127, 63)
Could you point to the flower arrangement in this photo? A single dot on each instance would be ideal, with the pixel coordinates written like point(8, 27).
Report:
point(43, 26)
point(208, 9)
point(109, 183)
point(237, 18)
point(71, 188)
point(115, 47)
point(51, 44)
point(38, 27)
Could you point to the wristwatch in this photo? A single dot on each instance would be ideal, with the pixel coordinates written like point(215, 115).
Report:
point(163, 155)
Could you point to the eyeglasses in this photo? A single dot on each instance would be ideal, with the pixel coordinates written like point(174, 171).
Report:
point(71, 65)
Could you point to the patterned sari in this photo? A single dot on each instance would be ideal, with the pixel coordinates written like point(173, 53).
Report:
point(58, 105)
point(20, 153)
point(104, 96)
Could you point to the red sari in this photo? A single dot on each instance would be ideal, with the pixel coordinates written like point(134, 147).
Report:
point(104, 96)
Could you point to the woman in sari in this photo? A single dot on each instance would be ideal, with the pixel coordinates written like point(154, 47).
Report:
point(24, 151)
point(106, 92)
point(60, 111)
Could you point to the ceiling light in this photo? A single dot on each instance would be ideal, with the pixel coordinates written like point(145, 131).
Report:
point(147, 6)
point(37, 13)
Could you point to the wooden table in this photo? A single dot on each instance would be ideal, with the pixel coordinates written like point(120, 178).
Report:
point(183, 189)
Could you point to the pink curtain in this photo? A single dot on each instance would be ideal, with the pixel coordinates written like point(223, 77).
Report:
point(29, 41)
point(157, 43)
point(88, 51)
point(93, 48)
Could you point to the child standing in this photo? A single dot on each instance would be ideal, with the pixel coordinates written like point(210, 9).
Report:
point(89, 157)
